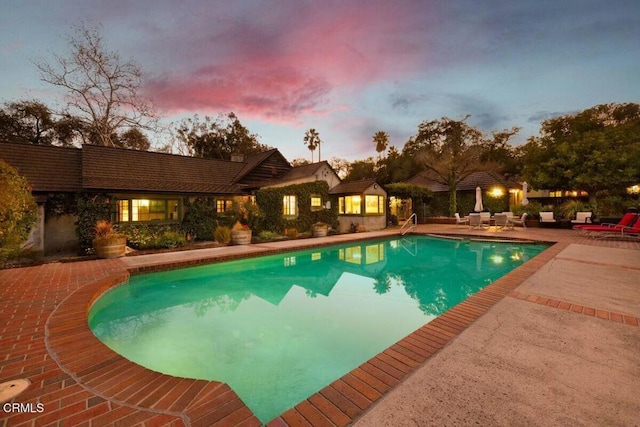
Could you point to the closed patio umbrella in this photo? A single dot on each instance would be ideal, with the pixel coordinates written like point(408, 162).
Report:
point(478, 207)
point(525, 201)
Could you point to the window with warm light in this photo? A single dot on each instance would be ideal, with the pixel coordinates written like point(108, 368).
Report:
point(138, 210)
point(223, 205)
point(316, 203)
point(350, 205)
point(497, 192)
point(373, 204)
point(290, 206)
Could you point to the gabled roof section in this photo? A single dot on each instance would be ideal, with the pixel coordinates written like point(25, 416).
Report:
point(118, 169)
point(351, 187)
point(484, 180)
point(46, 168)
point(262, 167)
point(303, 171)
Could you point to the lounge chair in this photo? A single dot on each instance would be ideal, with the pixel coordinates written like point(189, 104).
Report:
point(582, 218)
point(547, 218)
point(521, 221)
point(463, 221)
point(628, 220)
point(629, 231)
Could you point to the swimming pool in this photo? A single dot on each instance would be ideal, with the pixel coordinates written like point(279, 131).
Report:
point(279, 328)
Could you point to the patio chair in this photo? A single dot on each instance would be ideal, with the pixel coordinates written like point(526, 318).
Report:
point(521, 221)
point(500, 221)
point(582, 218)
point(463, 221)
point(485, 219)
point(547, 218)
point(475, 221)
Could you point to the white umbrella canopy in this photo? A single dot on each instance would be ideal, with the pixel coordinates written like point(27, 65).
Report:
point(478, 207)
point(525, 201)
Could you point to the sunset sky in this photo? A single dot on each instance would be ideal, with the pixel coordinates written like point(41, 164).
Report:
point(347, 68)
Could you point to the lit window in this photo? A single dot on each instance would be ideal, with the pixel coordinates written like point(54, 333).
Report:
point(350, 205)
point(289, 206)
point(373, 204)
point(148, 210)
point(222, 205)
point(123, 210)
point(316, 203)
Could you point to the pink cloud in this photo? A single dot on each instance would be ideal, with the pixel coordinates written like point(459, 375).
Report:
point(285, 62)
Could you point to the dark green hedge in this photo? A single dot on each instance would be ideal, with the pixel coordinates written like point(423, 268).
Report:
point(270, 202)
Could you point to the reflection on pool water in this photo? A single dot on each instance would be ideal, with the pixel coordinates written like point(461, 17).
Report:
point(280, 328)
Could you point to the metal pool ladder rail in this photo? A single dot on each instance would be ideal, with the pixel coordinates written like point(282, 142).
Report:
point(411, 223)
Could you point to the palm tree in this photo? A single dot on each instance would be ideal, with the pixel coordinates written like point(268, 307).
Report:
point(381, 140)
point(312, 141)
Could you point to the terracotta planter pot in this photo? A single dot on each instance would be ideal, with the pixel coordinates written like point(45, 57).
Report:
point(114, 249)
point(320, 230)
point(240, 237)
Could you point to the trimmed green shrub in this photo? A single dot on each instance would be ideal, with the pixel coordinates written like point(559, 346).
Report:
point(200, 220)
point(90, 210)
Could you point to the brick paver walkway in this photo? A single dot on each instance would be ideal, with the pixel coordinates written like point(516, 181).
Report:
point(80, 382)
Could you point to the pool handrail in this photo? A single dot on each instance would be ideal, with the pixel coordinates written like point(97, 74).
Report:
point(414, 220)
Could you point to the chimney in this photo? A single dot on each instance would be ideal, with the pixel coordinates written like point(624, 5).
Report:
point(238, 157)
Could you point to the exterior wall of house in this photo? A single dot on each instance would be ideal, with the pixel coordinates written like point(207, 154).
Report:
point(60, 234)
point(35, 241)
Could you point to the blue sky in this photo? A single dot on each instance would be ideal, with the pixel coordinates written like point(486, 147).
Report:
point(347, 68)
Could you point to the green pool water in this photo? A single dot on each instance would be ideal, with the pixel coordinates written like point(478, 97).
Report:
point(279, 328)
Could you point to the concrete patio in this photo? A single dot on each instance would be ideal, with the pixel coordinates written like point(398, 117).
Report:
point(555, 342)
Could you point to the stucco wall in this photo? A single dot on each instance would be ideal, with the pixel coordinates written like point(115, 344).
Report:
point(371, 223)
point(60, 234)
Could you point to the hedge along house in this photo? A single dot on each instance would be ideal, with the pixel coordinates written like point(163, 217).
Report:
point(499, 193)
point(363, 203)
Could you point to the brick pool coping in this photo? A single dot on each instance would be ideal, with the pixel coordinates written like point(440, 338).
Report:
point(169, 400)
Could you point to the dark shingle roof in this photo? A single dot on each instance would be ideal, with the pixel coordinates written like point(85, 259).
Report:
point(107, 168)
point(352, 186)
point(46, 168)
point(484, 180)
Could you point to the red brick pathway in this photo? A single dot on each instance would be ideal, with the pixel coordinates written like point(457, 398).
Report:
point(80, 382)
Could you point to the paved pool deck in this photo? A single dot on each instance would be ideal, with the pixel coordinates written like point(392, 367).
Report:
point(555, 342)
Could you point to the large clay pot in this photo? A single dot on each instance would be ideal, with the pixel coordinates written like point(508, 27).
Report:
point(114, 249)
point(320, 230)
point(240, 237)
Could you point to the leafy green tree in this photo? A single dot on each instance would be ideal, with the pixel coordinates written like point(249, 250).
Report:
point(312, 141)
point(216, 139)
point(361, 169)
point(102, 91)
point(596, 150)
point(18, 211)
point(450, 150)
point(135, 139)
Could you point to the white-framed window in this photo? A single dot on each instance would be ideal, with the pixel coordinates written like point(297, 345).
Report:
point(290, 205)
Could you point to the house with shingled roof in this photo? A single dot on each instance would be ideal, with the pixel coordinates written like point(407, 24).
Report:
point(145, 187)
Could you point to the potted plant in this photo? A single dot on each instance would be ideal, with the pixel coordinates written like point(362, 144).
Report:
point(240, 234)
point(320, 229)
point(107, 242)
